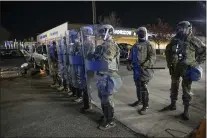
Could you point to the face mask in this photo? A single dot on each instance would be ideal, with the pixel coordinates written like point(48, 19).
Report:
point(142, 34)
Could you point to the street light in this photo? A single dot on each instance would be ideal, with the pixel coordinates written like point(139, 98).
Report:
point(94, 12)
point(94, 19)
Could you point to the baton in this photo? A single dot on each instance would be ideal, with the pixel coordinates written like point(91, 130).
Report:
point(157, 68)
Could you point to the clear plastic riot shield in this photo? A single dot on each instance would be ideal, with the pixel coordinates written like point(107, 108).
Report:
point(69, 79)
point(91, 65)
point(49, 54)
point(60, 61)
point(74, 61)
point(65, 62)
point(100, 80)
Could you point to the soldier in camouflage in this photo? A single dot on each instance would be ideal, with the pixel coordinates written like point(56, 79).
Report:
point(184, 51)
point(79, 71)
point(142, 57)
point(108, 52)
point(73, 51)
point(54, 65)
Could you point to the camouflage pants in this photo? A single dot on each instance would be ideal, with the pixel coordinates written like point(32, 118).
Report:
point(186, 86)
point(81, 77)
point(55, 74)
point(107, 106)
point(106, 99)
point(141, 88)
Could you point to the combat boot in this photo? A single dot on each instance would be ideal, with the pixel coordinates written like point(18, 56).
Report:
point(68, 90)
point(84, 109)
point(73, 95)
point(86, 102)
point(145, 100)
point(139, 102)
point(170, 107)
point(108, 121)
point(78, 100)
point(186, 115)
point(102, 117)
point(54, 85)
point(79, 96)
point(60, 89)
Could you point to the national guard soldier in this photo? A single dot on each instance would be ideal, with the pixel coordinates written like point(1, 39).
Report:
point(62, 64)
point(108, 81)
point(54, 64)
point(142, 57)
point(73, 51)
point(184, 54)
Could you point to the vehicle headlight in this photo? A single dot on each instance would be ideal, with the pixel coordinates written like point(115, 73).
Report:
point(24, 65)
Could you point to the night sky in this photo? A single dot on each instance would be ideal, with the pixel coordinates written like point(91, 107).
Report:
point(26, 19)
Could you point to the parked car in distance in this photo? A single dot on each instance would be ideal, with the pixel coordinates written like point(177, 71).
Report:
point(39, 56)
point(12, 63)
point(124, 51)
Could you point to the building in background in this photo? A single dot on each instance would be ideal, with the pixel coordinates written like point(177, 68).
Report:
point(121, 35)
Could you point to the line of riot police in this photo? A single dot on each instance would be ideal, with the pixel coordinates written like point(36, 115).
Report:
point(81, 68)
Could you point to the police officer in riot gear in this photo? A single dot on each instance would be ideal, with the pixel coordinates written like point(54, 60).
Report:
point(183, 52)
point(142, 56)
point(63, 66)
point(109, 53)
point(88, 49)
point(54, 64)
point(74, 50)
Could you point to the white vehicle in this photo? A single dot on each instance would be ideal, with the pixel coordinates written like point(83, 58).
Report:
point(39, 56)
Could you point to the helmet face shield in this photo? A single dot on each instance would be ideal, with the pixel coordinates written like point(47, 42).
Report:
point(106, 31)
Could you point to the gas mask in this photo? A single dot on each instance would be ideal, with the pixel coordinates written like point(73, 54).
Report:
point(106, 32)
point(183, 29)
point(142, 34)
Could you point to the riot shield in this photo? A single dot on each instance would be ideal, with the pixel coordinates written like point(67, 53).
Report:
point(74, 61)
point(91, 65)
point(65, 62)
point(60, 63)
point(100, 81)
point(69, 78)
point(49, 54)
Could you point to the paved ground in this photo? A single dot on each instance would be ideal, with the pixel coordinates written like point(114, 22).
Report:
point(29, 108)
point(36, 110)
point(156, 124)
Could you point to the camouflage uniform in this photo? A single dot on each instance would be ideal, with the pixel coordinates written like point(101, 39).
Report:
point(74, 70)
point(193, 53)
point(54, 65)
point(108, 52)
point(145, 59)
